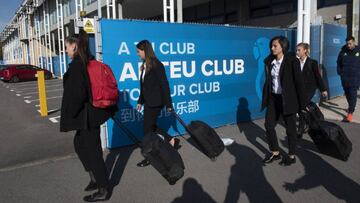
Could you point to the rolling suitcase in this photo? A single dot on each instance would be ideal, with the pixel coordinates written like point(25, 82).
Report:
point(205, 137)
point(328, 137)
point(312, 115)
point(331, 140)
point(162, 156)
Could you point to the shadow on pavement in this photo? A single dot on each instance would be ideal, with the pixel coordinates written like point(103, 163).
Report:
point(116, 162)
point(320, 173)
point(247, 176)
point(193, 192)
point(251, 131)
point(333, 109)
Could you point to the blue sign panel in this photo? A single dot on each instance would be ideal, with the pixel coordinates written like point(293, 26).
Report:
point(334, 39)
point(315, 50)
point(216, 73)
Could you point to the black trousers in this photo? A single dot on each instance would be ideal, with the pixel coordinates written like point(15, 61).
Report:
point(351, 97)
point(150, 118)
point(87, 145)
point(273, 113)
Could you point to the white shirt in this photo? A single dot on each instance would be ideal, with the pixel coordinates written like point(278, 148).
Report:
point(143, 73)
point(302, 63)
point(275, 74)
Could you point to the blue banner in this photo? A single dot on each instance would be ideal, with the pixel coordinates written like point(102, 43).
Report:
point(216, 73)
point(334, 39)
point(315, 50)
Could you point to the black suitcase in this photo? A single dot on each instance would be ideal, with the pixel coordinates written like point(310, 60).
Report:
point(312, 115)
point(331, 140)
point(205, 137)
point(162, 156)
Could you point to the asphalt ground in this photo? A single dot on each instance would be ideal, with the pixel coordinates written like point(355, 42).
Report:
point(25, 136)
point(237, 176)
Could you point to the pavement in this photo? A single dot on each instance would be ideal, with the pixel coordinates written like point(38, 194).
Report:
point(49, 171)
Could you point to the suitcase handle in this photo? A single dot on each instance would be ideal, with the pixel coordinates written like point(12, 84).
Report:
point(181, 121)
point(127, 131)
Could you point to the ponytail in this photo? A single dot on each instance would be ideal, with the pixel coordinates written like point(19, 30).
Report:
point(82, 45)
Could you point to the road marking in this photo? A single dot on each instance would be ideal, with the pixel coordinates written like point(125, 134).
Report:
point(18, 95)
point(23, 84)
point(55, 90)
point(54, 119)
point(34, 88)
point(37, 105)
point(27, 97)
point(29, 101)
point(50, 111)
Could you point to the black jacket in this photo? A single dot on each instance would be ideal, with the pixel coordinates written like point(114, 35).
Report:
point(312, 79)
point(77, 113)
point(348, 66)
point(155, 91)
point(291, 83)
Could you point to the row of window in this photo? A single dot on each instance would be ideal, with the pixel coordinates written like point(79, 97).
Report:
point(262, 8)
point(216, 12)
point(68, 7)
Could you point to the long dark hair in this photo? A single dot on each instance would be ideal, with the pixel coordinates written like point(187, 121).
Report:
point(283, 41)
point(150, 56)
point(82, 45)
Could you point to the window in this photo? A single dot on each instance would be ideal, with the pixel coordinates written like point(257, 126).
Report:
point(35, 68)
point(21, 67)
point(217, 11)
point(88, 2)
point(262, 8)
point(326, 3)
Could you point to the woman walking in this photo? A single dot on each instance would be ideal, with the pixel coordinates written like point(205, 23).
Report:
point(312, 79)
point(282, 97)
point(78, 114)
point(154, 91)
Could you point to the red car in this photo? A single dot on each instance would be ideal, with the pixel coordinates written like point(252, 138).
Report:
point(22, 72)
point(2, 68)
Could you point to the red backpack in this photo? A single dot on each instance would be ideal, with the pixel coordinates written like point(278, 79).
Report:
point(103, 84)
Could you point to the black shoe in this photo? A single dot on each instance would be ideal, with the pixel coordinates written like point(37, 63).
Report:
point(287, 161)
point(271, 157)
point(91, 186)
point(101, 195)
point(177, 143)
point(143, 163)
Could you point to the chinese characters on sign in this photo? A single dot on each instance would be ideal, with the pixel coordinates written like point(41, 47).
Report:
point(188, 107)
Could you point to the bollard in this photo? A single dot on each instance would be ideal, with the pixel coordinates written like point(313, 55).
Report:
point(42, 93)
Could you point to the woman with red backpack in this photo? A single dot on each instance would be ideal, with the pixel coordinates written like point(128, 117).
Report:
point(77, 113)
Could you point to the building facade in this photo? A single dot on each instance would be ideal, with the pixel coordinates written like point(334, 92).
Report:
point(37, 32)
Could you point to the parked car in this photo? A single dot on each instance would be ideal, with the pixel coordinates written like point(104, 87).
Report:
point(2, 68)
point(23, 72)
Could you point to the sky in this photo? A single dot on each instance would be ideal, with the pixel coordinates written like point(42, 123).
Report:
point(7, 11)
